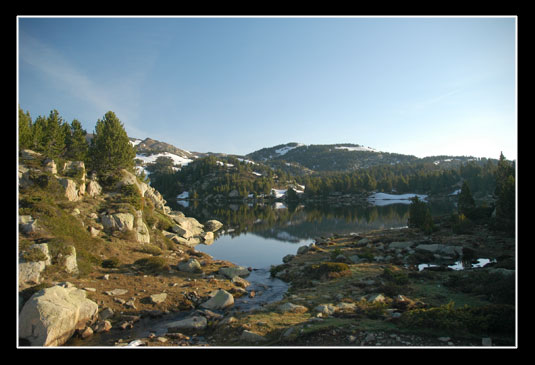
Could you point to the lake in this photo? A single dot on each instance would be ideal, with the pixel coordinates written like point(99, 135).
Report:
point(259, 236)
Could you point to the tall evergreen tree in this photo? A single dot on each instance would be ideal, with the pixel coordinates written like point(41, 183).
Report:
point(77, 146)
point(54, 136)
point(110, 148)
point(25, 130)
point(465, 203)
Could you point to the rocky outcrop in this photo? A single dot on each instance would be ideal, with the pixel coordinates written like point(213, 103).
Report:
point(51, 316)
point(27, 224)
point(142, 232)
point(117, 221)
point(93, 188)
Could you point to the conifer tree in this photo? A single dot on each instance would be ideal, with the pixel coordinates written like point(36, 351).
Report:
point(25, 130)
point(54, 136)
point(77, 146)
point(465, 203)
point(110, 148)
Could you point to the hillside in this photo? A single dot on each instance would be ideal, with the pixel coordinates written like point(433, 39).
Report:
point(341, 157)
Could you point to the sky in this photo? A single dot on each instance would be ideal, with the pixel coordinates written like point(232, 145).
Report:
point(422, 86)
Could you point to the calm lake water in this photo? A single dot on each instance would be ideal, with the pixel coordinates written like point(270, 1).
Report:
point(259, 236)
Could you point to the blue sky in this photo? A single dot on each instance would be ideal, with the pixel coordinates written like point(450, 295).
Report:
point(414, 85)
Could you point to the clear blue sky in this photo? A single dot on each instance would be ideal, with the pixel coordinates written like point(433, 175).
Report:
point(414, 85)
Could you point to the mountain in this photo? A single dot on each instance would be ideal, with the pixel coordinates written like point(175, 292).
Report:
point(328, 157)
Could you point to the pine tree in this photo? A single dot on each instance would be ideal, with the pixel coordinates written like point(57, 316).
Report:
point(54, 136)
point(110, 148)
point(25, 130)
point(76, 144)
point(465, 203)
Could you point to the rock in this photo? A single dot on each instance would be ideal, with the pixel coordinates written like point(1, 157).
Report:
point(221, 300)
point(142, 232)
point(207, 236)
point(27, 224)
point(302, 250)
point(401, 245)
point(212, 225)
point(241, 282)
point(158, 298)
point(327, 309)
point(486, 341)
point(249, 336)
point(287, 258)
point(93, 188)
point(436, 248)
point(295, 308)
point(191, 323)
point(29, 155)
point(76, 168)
point(115, 292)
point(192, 265)
point(51, 316)
point(230, 272)
point(71, 192)
point(106, 313)
point(363, 242)
point(356, 259)
point(50, 166)
point(374, 298)
point(117, 221)
point(43, 248)
point(88, 332)
point(94, 232)
point(70, 264)
point(30, 272)
point(102, 326)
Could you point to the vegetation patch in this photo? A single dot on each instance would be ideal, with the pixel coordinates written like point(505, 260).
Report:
point(329, 270)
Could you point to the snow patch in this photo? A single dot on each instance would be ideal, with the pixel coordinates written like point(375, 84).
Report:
point(177, 160)
point(284, 150)
point(353, 148)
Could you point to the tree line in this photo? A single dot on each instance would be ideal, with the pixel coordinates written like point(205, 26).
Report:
point(108, 151)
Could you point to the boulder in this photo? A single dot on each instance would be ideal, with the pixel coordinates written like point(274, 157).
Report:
point(439, 249)
point(52, 315)
point(71, 192)
point(50, 166)
point(142, 232)
point(30, 272)
point(117, 221)
point(212, 225)
point(70, 264)
point(29, 155)
point(230, 272)
point(207, 237)
point(27, 224)
point(192, 265)
point(93, 188)
point(221, 300)
point(401, 245)
point(191, 323)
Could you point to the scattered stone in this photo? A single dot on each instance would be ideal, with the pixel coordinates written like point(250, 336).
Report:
point(290, 307)
point(115, 292)
point(158, 298)
point(192, 265)
point(231, 272)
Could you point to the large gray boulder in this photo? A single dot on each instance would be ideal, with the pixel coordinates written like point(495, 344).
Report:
point(117, 221)
point(142, 232)
point(51, 316)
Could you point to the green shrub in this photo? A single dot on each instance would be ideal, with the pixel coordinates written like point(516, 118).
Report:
point(330, 270)
point(153, 264)
point(111, 263)
point(151, 249)
point(493, 318)
point(131, 195)
point(460, 224)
